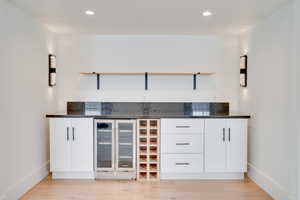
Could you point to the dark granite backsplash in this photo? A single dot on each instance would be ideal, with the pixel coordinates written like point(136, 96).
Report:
point(148, 108)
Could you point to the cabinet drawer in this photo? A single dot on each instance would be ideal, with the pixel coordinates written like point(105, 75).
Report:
point(182, 163)
point(181, 144)
point(182, 126)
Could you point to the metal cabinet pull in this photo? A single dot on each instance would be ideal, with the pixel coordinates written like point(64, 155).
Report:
point(68, 134)
point(183, 126)
point(73, 135)
point(229, 135)
point(223, 134)
point(178, 164)
point(183, 144)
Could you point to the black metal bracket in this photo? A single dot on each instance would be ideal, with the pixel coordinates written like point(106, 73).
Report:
point(146, 80)
point(98, 81)
point(194, 81)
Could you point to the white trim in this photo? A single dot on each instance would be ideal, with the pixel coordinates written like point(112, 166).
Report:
point(26, 183)
point(202, 176)
point(73, 175)
point(267, 183)
point(118, 175)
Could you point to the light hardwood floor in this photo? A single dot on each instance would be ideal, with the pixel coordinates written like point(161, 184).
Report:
point(50, 189)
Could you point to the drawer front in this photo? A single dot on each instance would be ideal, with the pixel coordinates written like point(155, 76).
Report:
point(182, 126)
point(182, 163)
point(182, 144)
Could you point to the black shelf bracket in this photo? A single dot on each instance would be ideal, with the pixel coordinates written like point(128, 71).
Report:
point(194, 81)
point(146, 80)
point(98, 81)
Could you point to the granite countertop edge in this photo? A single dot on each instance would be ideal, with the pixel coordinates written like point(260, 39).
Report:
point(143, 117)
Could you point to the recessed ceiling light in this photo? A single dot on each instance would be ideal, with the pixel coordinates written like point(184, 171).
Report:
point(89, 12)
point(206, 13)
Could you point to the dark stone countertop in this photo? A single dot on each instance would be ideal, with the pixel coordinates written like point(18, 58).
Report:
point(144, 116)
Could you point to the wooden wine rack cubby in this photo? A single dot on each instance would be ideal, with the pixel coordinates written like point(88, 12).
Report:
point(148, 149)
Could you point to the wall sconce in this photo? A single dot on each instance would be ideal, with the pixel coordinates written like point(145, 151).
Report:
point(243, 70)
point(52, 70)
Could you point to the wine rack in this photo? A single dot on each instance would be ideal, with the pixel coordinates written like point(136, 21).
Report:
point(148, 152)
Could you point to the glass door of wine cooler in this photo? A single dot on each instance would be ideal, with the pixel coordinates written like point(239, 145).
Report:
point(104, 143)
point(125, 145)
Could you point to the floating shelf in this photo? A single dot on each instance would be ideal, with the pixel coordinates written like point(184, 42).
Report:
point(146, 74)
point(149, 73)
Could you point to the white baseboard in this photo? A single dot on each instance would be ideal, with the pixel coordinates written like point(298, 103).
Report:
point(15, 191)
point(202, 176)
point(273, 188)
point(73, 175)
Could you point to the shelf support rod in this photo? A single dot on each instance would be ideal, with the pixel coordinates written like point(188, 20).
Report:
point(194, 81)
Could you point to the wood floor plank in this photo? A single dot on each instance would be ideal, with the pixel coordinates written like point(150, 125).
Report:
point(50, 189)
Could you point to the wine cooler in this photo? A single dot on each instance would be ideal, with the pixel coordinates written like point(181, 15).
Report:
point(115, 149)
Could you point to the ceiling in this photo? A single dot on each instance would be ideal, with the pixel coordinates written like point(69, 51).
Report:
point(139, 17)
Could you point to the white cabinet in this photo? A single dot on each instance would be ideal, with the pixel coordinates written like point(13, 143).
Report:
point(181, 148)
point(182, 163)
point(215, 146)
point(182, 126)
point(71, 146)
point(225, 145)
point(60, 145)
point(237, 145)
point(82, 145)
point(190, 143)
point(203, 148)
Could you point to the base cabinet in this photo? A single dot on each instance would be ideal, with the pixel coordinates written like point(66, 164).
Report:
point(203, 148)
point(190, 148)
point(182, 148)
point(71, 147)
point(225, 145)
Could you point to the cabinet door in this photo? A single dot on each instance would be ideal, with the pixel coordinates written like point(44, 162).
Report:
point(125, 148)
point(236, 145)
point(215, 145)
point(60, 144)
point(104, 141)
point(82, 144)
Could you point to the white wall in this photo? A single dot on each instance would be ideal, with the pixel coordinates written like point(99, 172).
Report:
point(25, 99)
point(269, 98)
point(77, 54)
point(296, 80)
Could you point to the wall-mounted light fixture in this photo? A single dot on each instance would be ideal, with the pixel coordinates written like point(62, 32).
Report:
point(52, 70)
point(243, 70)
